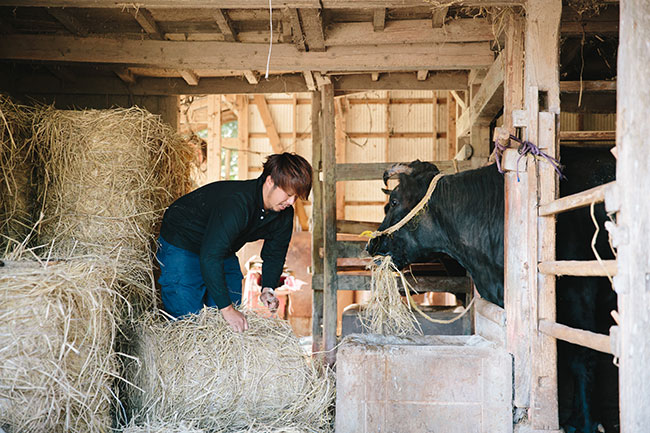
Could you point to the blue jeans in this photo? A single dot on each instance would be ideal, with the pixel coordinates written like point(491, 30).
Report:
point(183, 290)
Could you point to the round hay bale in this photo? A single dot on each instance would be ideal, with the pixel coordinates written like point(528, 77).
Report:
point(199, 370)
point(109, 175)
point(17, 186)
point(57, 362)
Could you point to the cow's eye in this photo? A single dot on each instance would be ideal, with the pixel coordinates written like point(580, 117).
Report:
point(393, 202)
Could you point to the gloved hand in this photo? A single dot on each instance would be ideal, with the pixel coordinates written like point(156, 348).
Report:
point(268, 299)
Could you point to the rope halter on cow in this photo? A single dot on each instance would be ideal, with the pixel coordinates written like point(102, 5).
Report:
point(411, 214)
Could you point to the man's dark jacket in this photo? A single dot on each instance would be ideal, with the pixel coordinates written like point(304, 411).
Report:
point(216, 220)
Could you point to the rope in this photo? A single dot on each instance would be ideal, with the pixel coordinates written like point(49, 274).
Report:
point(410, 215)
point(525, 148)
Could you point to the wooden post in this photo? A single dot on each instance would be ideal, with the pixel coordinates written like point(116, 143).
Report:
point(340, 114)
point(317, 227)
point(242, 131)
point(516, 292)
point(437, 154)
point(632, 282)
point(542, 83)
point(214, 138)
point(329, 222)
point(451, 124)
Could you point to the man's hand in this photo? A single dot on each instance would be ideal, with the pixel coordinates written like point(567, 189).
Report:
point(235, 319)
point(269, 300)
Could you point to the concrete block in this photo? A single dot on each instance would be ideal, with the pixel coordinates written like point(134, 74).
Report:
point(437, 384)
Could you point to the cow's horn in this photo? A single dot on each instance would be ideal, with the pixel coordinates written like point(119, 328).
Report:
point(395, 169)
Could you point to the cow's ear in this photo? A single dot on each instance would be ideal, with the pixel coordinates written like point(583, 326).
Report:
point(387, 191)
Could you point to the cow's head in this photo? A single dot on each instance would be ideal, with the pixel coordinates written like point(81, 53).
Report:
point(405, 245)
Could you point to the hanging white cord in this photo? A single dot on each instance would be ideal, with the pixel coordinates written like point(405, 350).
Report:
point(268, 59)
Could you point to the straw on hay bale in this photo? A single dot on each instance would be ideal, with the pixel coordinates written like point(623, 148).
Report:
point(109, 174)
point(183, 427)
point(386, 312)
point(198, 370)
point(17, 188)
point(57, 362)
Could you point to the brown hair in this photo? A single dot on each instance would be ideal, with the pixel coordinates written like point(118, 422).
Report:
point(290, 172)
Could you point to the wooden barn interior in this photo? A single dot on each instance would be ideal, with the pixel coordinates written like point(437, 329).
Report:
point(355, 86)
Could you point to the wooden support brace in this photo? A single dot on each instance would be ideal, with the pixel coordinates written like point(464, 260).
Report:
point(422, 75)
point(438, 17)
point(190, 77)
point(252, 77)
point(225, 25)
point(68, 21)
point(580, 337)
point(309, 80)
point(379, 19)
point(296, 29)
point(125, 75)
point(148, 23)
point(578, 268)
point(271, 131)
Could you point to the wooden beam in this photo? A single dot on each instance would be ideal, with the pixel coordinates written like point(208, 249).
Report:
point(242, 135)
point(438, 16)
point(420, 284)
point(413, 31)
point(309, 80)
point(452, 127)
point(148, 23)
point(68, 21)
point(587, 135)
point(321, 79)
point(580, 337)
point(250, 4)
point(312, 28)
point(271, 131)
point(317, 224)
point(422, 75)
point(225, 25)
point(190, 77)
point(296, 29)
point(375, 170)
point(125, 75)
point(579, 268)
point(374, 76)
point(214, 138)
point(402, 81)
point(237, 56)
point(587, 86)
point(379, 19)
point(252, 77)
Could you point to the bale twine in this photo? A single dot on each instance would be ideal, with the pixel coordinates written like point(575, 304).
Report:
point(198, 370)
point(109, 174)
point(386, 312)
point(57, 362)
point(17, 186)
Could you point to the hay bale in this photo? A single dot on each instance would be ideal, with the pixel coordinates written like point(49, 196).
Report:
point(386, 312)
point(109, 175)
point(199, 370)
point(57, 362)
point(17, 186)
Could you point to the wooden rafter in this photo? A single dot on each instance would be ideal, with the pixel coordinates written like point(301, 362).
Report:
point(312, 27)
point(438, 17)
point(251, 76)
point(379, 19)
point(237, 56)
point(125, 75)
point(68, 21)
point(190, 77)
point(250, 4)
point(296, 29)
point(422, 75)
point(267, 119)
point(148, 23)
point(225, 25)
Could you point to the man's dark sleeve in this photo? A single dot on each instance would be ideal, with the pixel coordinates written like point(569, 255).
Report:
point(274, 251)
point(224, 226)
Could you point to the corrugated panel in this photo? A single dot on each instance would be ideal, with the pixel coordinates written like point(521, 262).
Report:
point(282, 115)
point(411, 93)
point(366, 118)
point(411, 117)
point(409, 149)
point(375, 94)
point(364, 190)
point(367, 150)
point(569, 121)
point(304, 148)
point(600, 122)
point(303, 122)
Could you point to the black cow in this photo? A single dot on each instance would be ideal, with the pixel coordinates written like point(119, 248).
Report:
point(464, 219)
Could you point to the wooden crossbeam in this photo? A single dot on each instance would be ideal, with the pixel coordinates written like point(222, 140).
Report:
point(438, 17)
point(148, 23)
point(237, 56)
point(312, 27)
point(580, 337)
point(375, 170)
point(68, 21)
point(251, 76)
point(587, 86)
point(296, 29)
point(578, 268)
point(225, 25)
point(190, 77)
point(250, 4)
point(379, 19)
point(267, 119)
point(575, 201)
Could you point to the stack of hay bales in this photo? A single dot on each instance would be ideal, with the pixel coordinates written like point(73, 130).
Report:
point(17, 188)
point(57, 362)
point(109, 175)
point(200, 371)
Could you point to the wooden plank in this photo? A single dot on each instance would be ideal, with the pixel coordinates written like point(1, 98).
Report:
point(491, 311)
point(422, 284)
point(330, 285)
point(214, 138)
point(378, 20)
point(317, 225)
point(452, 135)
point(355, 227)
point(579, 268)
point(309, 80)
point(633, 175)
point(437, 154)
point(225, 25)
point(340, 111)
point(190, 77)
point(242, 136)
point(250, 4)
point(587, 135)
point(147, 22)
point(312, 28)
point(267, 119)
point(252, 77)
point(296, 29)
point(413, 31)
point(456, 80)
point(351, 249)
point(575, 201)
point(438, 16)
point(237, 56)
point(422, 75)
point(580, 337)
point(72, 24)
point(375, 170)
point(587, 86)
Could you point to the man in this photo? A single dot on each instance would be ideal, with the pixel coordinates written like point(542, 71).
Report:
point(202, 231)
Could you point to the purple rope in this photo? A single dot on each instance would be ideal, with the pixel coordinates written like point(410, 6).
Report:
point(525, 148)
